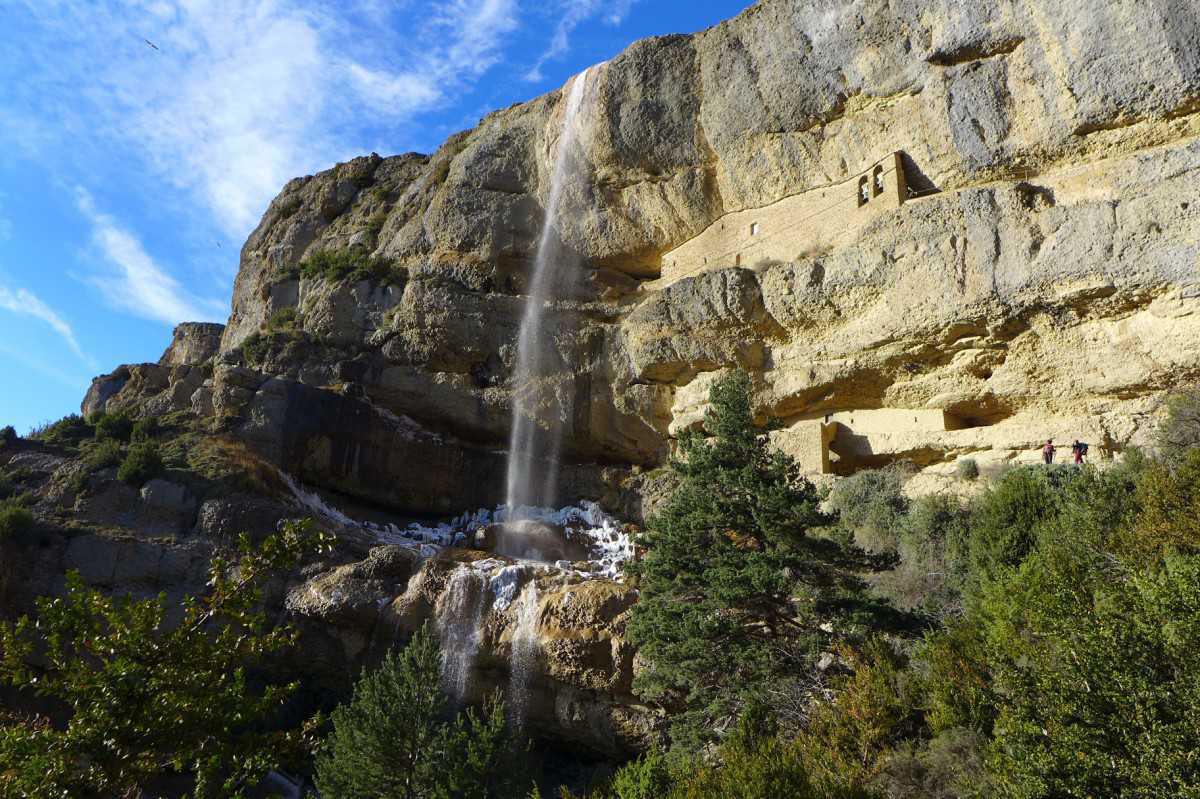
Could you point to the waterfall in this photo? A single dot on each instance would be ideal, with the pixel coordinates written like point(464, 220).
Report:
point(537, 413)
point(459, 613)
point(524, 654)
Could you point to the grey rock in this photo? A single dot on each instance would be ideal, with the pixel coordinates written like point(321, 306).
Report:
point(192, 343)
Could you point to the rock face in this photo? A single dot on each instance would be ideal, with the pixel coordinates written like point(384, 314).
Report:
point(180, 381)
point(1036, 280)
point(192, 343)
point(1034, 275)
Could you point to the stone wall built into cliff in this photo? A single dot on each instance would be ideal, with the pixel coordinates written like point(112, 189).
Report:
point(802, 225)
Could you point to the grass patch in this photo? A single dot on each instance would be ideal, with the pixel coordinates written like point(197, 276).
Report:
point(354, 265)
point(232, 463)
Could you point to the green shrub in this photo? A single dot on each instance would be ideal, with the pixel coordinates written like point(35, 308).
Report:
point(375, 222)
point(966, 469)
point(67, 431)
point(8, 435)
point(15, 520)
point(158, 690)
point(289, 206)
point(870, 507)
point(353, 265)
point(255, 347)
point(117, 426)
point(146, 429)
point(394, 740)
point(1180, 430)
point(103, 453)
point(282, 320)
point(930, 571)
point(141, 463)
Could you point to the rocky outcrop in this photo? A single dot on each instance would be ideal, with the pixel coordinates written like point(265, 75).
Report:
point(1034, 277)
point(1036, 282)
point(192, 343)
point(180, 381)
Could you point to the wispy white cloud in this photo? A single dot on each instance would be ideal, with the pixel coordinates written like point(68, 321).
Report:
point(574, 13)
point(137, 284)
point(26, 303)
point(242, 95)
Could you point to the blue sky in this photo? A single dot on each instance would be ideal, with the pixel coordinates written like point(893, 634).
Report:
point(130, 175)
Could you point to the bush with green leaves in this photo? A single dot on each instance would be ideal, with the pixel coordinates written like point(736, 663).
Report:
point(146, 428)
point(147, 696)
point(731, 576)
point(103, 453)
point(141, 463)
point(282, 320)
point(1179, 431)
point(349, 264)
point(8, 435)
point(8, 486)
point(870, 506)
point(396, 738)
point(15, 519)
point(966, 469)
point(67, 431)
point(117, 426)
point(931, 544)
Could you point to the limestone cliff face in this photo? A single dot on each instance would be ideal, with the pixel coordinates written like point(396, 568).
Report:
point(1037, 278)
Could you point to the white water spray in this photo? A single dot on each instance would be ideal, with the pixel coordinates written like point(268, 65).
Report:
point(538, 410)
point(524, 654)
point(459, 613)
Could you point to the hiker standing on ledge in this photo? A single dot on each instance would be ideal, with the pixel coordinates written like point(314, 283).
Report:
point(1048, 452)
point(1079, 450)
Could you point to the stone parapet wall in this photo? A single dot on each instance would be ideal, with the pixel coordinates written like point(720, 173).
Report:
point(802, 224)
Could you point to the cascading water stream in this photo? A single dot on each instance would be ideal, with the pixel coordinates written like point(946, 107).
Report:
point(459, 613)
point(523, 655)
point(538, 411)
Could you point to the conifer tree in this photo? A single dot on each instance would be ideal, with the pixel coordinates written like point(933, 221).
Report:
point(727, 583)
point(396, 738)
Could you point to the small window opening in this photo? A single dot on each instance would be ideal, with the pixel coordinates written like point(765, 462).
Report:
point(878, 179)
point(753, 228)
point(737, 259)
point(864, 190)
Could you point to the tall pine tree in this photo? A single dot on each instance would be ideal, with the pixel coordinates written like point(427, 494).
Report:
point(726, 605)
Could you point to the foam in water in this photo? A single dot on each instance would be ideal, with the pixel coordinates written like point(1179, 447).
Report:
point(460, 611)
point(608, 543)
point(538, 410)
point(524, 654)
